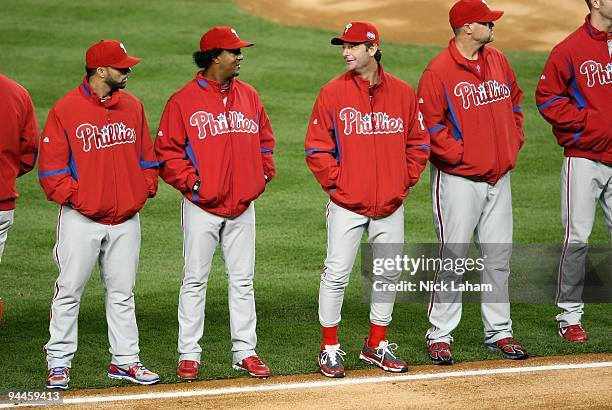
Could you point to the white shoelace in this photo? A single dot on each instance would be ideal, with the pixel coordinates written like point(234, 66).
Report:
point(332, 352)
point(58, 371)
point(385, 347)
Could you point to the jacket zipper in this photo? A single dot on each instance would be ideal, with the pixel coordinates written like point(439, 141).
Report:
point(374, 126)
point(116, 210)
point(226, 106)
point(485, 71)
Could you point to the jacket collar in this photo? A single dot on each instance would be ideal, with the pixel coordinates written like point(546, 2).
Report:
point(364, 85)
point(88, 93)
point(210, 85)
point(460, 59)
point(593, 32)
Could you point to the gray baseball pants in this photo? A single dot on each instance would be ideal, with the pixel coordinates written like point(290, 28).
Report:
point(6, 220)
point(344, 231)
point(81, 243)
point(463, 209)
point(202, 232)
point(584, 182)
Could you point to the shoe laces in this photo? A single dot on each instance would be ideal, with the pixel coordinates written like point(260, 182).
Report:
point(439, 347)
point(253, 361)
point(331, 353)
point(506, 341)
point(386, 348)
point(138, 368)
point(58, 371)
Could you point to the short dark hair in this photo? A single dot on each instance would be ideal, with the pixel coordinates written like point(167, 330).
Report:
point(90, 71)
point(589, 3)
point(378, 55)
point(203, 59)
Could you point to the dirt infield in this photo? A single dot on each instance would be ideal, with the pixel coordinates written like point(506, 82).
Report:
point(526, 25)
point(504, 384)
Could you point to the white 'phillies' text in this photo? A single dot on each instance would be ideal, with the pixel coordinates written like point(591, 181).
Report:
point(362, 124)
point(486, 93)
point(594, 71)
point(109, 135)
point(222, 124)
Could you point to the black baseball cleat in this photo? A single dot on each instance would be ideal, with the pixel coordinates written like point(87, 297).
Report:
point(509, 348)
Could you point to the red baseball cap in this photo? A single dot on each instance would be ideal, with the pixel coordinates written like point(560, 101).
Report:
point(223, 37)
point(357, 32)
point(472, 11)
point(109, 53)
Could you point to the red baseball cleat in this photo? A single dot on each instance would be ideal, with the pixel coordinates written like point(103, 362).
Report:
point(188, 369)
point(509, 349)
point(440, 353)
point(383, 357)
point(253, 366)
point(573, 333)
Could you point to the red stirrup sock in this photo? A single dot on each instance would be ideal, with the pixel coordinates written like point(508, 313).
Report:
point(377, 334)
point(330, 336)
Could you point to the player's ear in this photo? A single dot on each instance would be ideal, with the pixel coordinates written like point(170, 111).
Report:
point(373, 49)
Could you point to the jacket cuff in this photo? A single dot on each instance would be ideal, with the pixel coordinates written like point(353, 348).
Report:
point(191, 180)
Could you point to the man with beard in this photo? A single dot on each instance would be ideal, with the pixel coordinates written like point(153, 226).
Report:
point(471, 103)
point(215, 146)
point(97, 162)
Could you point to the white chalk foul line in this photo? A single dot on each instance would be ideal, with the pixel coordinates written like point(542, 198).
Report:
point(323, 384)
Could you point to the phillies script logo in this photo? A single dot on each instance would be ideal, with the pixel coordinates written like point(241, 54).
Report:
point(362, 124)
point(222, 124)
point(486, 93)
point(109, 135)
point(595, 72)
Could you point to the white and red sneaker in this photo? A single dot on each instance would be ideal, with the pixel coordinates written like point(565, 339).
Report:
point(58, 378)
point(134, 372)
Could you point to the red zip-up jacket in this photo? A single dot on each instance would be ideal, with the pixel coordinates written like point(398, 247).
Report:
point(367, 145)
point(228, 147)
point(475, 120)
point(98, 156)
point(18, 139)
point(575, 93)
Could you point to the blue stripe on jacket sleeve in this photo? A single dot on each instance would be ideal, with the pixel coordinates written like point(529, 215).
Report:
point(313, 150)
point(72, 167)
point(267, 150)
point(516, 108)
point(547, 103)
point(436, 128)
point(54, 172)
point(575, 90)
point(191, 155)
point(577, 136)
point(145, 164)
point(424, 146)
point(337, 142)
point(453, 118)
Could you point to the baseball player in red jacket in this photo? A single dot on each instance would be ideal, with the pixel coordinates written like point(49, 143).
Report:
point(574, 95)
point(18, 147)
point(471, 103)
point(97, 162)
point(215, 145)
point(366, 145)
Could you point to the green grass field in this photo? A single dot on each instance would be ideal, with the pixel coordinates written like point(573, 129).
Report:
point(43, 47)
